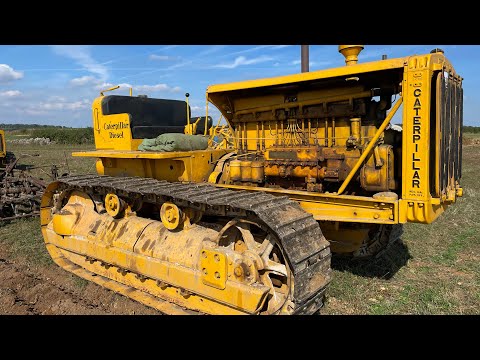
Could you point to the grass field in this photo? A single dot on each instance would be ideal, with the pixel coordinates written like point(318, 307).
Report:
point(434, 270)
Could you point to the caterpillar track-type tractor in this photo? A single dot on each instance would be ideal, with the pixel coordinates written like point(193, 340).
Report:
point(317, 166)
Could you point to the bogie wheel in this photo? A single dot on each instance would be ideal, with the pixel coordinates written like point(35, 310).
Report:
point(268, 265)
point(114, 205)
point(171, 215)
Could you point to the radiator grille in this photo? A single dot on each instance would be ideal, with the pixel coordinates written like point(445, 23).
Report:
point(449, 133)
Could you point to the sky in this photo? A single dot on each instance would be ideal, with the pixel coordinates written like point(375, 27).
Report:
point(56, 84)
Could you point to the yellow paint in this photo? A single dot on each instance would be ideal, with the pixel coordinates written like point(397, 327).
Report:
point(214, 268)
point(166, 299)
point(375, 177)
point(109, 89)
point(235, 170)
point(150, 251)
point(113, 205)
point(370, 145)
point(344, 240)
point(306, 76)
point(351, 53)
point(305, 133)
point(250, 105)
point(170, 215)
point(421, 211)
point(334, 207)
point(3, 147)
point(193, 166)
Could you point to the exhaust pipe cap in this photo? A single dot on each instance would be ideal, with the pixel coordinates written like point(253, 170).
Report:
point(350, 52)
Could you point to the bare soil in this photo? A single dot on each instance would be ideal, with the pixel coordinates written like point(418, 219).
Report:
point(27, 289)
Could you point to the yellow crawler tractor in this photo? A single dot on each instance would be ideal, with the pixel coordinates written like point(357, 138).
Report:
point(317, 166)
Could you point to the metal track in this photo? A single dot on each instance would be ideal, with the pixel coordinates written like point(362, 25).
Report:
point(304, 246)
point(380, 242)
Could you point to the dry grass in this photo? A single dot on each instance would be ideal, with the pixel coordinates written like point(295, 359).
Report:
point(44, 156)
point(23, 235)
point(435, 270)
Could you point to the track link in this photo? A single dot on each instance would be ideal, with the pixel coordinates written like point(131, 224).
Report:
point(300, 236)
point(379, 242)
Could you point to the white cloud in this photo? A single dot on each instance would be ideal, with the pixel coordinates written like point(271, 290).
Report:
point(157, 87)
point(179, 65)
point(107, 85)
point(10, 93)
point(57, 98)
point(242, 60)
point(8, 74)
point(63, 105)
point(210, 50)
point(140, 88)
point(297, 62)
point(162, 57)
point(256, 48)
point(34, 112)
point(55, 103)
point(84, 80)
point(318, 64)
point(82, 56)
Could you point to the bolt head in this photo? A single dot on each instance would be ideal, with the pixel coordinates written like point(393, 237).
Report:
point(238, 271)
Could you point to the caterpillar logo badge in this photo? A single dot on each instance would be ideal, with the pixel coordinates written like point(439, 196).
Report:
point(416, 138)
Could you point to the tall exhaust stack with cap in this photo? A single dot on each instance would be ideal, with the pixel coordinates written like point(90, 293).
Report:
point(305, 60)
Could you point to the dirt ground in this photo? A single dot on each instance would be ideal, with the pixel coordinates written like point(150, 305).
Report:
point(37, 290)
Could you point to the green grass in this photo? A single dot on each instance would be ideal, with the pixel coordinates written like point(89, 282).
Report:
point(456, 246)
point(23, 235)
point(58, 134)
point(66, 136)
point(25, 239)
point(43, 157)
point(441, 271)
point(79, 282)
point(434, 270)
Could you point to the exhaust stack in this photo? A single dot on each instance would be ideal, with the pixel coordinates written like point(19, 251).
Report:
point(305, 59)
point(350, 52)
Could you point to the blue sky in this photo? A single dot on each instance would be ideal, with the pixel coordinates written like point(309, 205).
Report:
point(57, 84)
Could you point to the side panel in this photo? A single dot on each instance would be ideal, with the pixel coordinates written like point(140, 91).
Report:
point(432, 119)
point(111, 131)
point(195, 167)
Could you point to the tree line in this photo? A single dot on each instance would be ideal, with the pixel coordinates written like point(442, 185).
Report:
point(471, 129)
